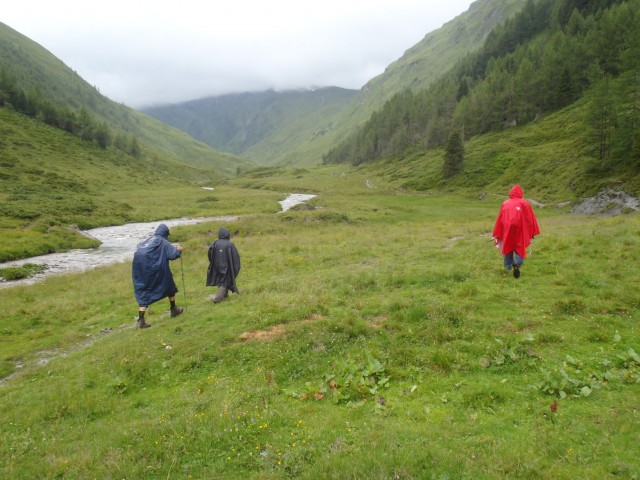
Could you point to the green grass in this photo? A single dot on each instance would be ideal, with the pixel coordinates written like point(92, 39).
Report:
point(50, 180)
point(24, 271)
point(474, 358)
point(36, 70)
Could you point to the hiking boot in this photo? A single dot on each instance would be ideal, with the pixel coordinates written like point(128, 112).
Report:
point(516, 271)
point(175, 311)
point(221, 294)
point(142, 324)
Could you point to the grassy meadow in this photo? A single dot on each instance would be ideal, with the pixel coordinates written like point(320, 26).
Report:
point(50, 180)
point(376, 336)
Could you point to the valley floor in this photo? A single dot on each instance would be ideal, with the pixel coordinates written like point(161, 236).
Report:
point(376, 336)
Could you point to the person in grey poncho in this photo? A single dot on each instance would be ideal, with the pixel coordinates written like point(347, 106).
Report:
point(224, 265)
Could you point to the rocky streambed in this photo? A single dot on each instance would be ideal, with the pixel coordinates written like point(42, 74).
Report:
point(118, 244)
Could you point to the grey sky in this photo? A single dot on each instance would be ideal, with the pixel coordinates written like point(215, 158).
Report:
point(146, 52)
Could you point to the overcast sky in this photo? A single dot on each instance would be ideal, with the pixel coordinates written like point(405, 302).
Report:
point(147, 52)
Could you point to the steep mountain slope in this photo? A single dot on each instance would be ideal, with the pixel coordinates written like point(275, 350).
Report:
point(295, 139)
point(546, 57)
point(70, 156)
point(235, 123)
point(41, 76)
point(437, 52)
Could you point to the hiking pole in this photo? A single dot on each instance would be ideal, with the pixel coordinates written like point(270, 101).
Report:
point(184, 290)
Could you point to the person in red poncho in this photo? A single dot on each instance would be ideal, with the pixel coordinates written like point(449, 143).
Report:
point(515, 227)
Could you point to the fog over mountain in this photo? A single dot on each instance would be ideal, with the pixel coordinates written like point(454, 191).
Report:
point(144, 53)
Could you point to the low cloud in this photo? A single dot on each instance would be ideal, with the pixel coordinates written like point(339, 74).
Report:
point(147, 52)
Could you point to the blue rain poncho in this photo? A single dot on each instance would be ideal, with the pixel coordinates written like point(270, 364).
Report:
point(152, 277)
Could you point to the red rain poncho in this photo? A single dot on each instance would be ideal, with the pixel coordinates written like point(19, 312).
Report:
point(516, 224)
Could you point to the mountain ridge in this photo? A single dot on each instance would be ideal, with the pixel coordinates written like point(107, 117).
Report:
point(239, 121)
point(293, 143)
point(38, 73)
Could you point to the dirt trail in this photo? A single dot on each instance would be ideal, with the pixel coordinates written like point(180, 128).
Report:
point(45, 356)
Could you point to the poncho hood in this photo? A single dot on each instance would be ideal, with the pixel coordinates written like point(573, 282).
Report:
point(224, 234)
point(162, 230)
point(516, 192)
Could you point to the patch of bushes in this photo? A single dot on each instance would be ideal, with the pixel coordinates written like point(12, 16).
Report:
point(208, 199)
point(16, 243)
point(316, 216)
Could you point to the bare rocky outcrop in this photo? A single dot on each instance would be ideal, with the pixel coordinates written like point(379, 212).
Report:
point(608, 202)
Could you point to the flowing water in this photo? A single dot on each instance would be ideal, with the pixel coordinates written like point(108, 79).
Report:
point(118, 244)
point(294, 199)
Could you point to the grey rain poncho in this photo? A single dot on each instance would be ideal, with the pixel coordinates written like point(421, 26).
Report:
point(224, 262)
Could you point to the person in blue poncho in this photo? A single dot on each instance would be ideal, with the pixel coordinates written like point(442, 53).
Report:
point(152, 277)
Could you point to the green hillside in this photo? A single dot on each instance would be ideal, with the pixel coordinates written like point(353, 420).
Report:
point(70, 156)
point(251, 124)
point(55, 89)
point(50, 179)
point(437, 52)
point(550, 55)
point(295, 128)
point(552, 159)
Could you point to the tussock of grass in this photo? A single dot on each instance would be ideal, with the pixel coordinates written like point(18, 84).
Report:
point(16, 273)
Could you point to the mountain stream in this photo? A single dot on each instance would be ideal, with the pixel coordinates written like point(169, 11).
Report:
point(118, 244)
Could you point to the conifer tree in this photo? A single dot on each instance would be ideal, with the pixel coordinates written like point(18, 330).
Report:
point(454, 155)
point(601, 117)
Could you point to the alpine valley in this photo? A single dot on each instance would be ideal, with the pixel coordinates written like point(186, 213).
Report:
point(377, 334)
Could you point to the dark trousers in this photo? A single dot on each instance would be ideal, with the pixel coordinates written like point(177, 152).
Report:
point(512, 258)
point(221, 294)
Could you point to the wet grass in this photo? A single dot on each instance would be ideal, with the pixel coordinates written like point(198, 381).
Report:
point(487, 376)
point(24, 271)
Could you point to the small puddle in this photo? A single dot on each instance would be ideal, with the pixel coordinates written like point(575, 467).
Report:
point(118, 244)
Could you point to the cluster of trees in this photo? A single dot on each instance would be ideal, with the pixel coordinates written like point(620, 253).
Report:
point(545, 58)
point(614, 118)
point(79, 123)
